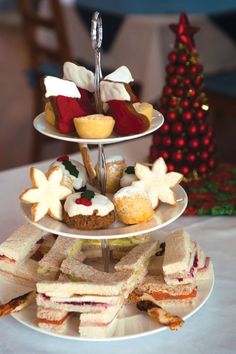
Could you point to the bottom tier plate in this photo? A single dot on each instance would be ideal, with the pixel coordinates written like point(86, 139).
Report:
point(131, 323)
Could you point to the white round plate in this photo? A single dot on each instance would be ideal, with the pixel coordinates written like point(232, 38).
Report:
point(164, 215)
point(131, 323)
point(40, 123)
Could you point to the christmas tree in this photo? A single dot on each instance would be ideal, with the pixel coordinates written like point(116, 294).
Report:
point(185, 140)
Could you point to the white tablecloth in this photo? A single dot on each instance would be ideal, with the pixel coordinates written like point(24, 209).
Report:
point(143, 42)
point(211, 330)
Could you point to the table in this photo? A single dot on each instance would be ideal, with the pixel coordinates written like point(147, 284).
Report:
point(211, 330)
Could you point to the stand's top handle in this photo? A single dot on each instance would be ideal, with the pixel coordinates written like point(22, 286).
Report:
point(96, 31)
point(96, 38)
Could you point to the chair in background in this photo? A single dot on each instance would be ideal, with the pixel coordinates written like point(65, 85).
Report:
point(43, 59)
point(221, 91)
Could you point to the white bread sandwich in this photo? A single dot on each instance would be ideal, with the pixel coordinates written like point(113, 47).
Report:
point(46, 244)
point(62, 248)
point(25, 273)
point(205, 267)
point(21, 244)
point(155, 289)
point(52, 320)
point(129, 271)
point(97, 295)
point(79, 303)
point(95, 301)
point(99, 325)
point(138, 257)
point(20, 254)
point(180, 258)
point(156, 262)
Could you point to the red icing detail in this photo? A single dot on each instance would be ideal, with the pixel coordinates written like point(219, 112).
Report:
point(87, 101)
point(127, 122)
point(63, 158)
point(69, 108)
point(83, 201)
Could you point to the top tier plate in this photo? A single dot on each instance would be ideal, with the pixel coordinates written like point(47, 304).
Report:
point(42, 126)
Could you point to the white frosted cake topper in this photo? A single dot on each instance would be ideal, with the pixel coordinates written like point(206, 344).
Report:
point(82, 77)
point(113, 91)
point(59, 87)
point(121, 74)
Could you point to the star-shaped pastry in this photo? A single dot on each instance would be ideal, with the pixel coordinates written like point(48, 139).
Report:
point(46, 193)
point(157, 182)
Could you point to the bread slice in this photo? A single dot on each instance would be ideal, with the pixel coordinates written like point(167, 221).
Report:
point(177, 252)
point(52, 319)
point(138, 256)
point(205, 272)
point(21, 243)
point(82, 304)
point(99, 319)
point(25, 274)
point(62, 247)
point(70, 288)
point(154, 289)
point(99, 331)
point(88, 273)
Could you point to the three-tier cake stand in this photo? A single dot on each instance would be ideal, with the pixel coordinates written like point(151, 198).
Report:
point(131, 323)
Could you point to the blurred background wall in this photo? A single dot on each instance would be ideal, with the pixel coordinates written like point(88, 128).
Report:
point(16, 99)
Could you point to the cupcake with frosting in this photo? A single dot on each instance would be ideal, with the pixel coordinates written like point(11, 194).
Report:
point(88, 210)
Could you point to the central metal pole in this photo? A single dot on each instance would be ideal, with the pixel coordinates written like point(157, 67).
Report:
point(96, 38)
point(102, 183)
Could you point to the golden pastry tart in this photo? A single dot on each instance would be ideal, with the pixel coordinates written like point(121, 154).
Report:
point(95, 126)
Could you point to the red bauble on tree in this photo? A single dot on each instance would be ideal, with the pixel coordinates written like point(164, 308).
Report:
point(186, 140)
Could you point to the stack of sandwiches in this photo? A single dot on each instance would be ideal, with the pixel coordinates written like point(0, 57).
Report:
point(97, 296)
point(160, 274)
point(183, 263)
point(20, 252)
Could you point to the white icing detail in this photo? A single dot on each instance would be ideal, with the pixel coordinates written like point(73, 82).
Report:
point(122, 74)
point(113, 91)
point(100, 203)
point(114, 158)
point(77, 182)
point(130, 191)
point(127, 179)
point(55, 87)
point(82, 77)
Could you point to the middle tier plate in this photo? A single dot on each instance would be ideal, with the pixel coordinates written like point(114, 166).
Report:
point(164, 215)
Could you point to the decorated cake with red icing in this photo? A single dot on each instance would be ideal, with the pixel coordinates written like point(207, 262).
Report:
point(72, 98)
point(88, 210)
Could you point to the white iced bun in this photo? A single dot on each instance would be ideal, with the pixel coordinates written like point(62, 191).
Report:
point(74, 173)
